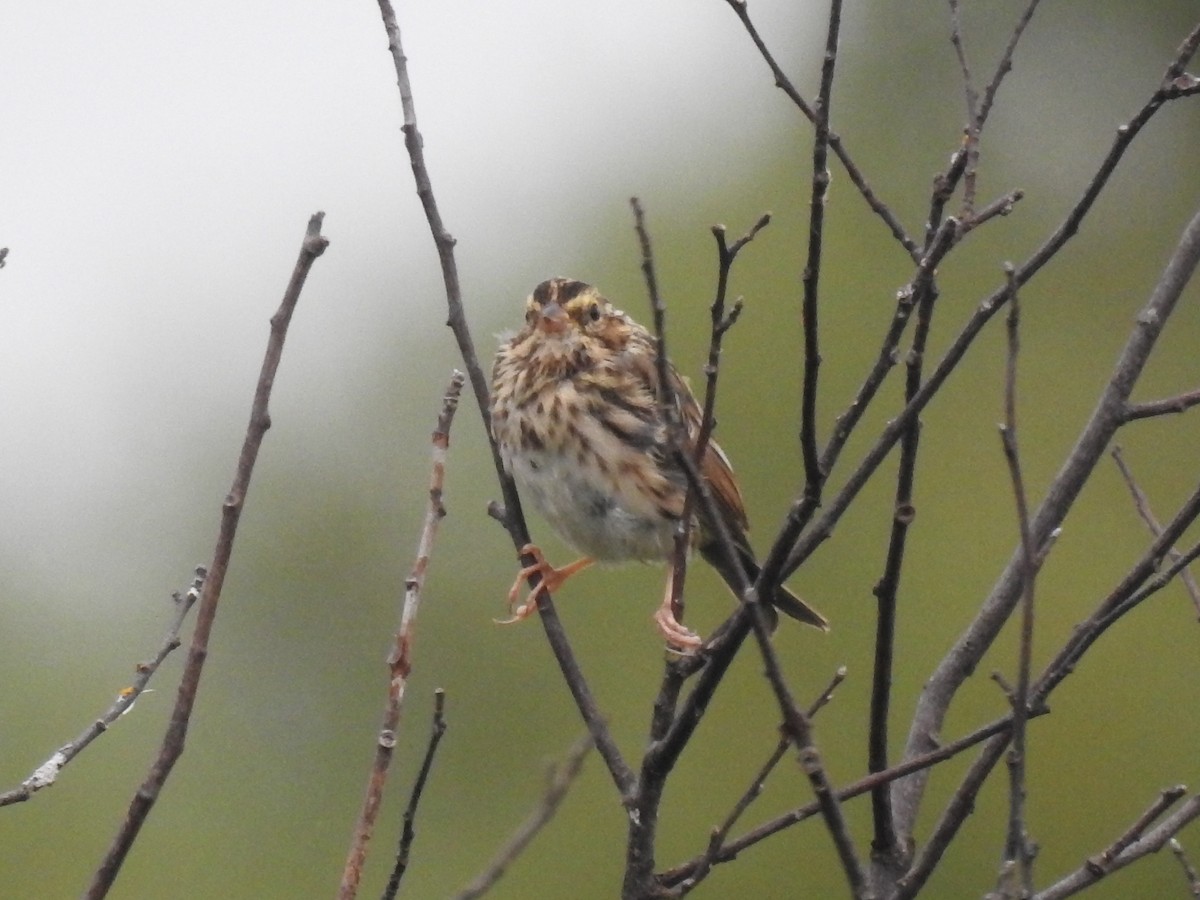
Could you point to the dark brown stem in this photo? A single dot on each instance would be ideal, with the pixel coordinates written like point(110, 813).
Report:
point(173, 741)
point(1017, 854)
point(814, 477)
point(834, 142)
point(514, 519)
point(408, 832)
point(1107, 417)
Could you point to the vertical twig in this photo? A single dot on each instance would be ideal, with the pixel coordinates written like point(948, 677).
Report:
point(169, 752)
point(400, 659)
point(1017, 851)
point(667, 404)
point(408, 832)
point(971, 136)
point(814, 477)
point(512, 516)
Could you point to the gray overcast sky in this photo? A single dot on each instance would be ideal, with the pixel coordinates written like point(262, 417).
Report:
point(159, 162)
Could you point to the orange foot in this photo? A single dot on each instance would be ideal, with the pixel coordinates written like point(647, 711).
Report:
point(677, 635)
point(552, 580)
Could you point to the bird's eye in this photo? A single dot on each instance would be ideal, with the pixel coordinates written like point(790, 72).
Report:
point(594, 312)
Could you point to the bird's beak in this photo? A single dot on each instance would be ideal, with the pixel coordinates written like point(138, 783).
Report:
point(552, 319)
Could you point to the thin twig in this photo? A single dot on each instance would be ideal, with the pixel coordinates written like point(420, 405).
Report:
point(946, 182)
point(1164, 801)
point(514, 519)
point(667, 404)
point(1177, 404)
point(1017, 852)
point(1189, 871)
point(400, 660)
point(1142, 503)
point(1064, 663)
point(834, 141)
point(971, 144)
point(561, 778)
point(47, 773)
point(408, 832)
point(678, 669)
point(868, 783)
point(814, 477)
point(964, 655)
point(923, 291)
point(640, 858)
point(144, 799)
point(719, 834)
point(1153, 841)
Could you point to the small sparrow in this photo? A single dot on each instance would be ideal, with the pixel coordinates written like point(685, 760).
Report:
point(575, 413)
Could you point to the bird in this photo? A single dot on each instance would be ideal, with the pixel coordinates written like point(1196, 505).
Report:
point(575, 411)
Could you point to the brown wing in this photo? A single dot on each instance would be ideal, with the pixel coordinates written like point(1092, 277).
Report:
point(715, 466)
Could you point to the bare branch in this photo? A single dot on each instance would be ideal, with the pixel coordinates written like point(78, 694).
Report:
point(561, 778)
point(556, 635)
point(1189, 871)
point(400, 661)
point(731, 850)
point(144, 799)
point(1017, 855)
point(1142, 502)
point(1153, 841)
point(408, 833)
point(47, 773)
point(880, 208)
point(814, 477)
point(1177, 404)
point(721, 832)
point(971, 144)
point(1107, 417)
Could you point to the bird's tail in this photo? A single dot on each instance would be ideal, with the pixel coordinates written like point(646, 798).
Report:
point(783, 599)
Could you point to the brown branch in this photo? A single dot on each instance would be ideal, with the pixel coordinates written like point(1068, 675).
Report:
point(1189, 871)
point(1153, 841)
point(1142, 503)
point(946, 182)
point(923, 291)
point(47, 773)
point(1018, 858)
point(260, 420)
point(561, 778)
point(667, 405)
point(971, 143)
point(719, 834)
point(833, 140)
point(814, 477)
point(1108, 416)
point(1177, 404)
point(1164, 801)
point(408, 832)
point(513, 518)
point(868, 783)
point(400, 661)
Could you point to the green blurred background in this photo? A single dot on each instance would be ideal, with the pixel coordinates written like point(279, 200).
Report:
point(159, 166)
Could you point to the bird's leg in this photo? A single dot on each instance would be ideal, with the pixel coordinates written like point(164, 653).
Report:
point(677, 635)
point(552, 580)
